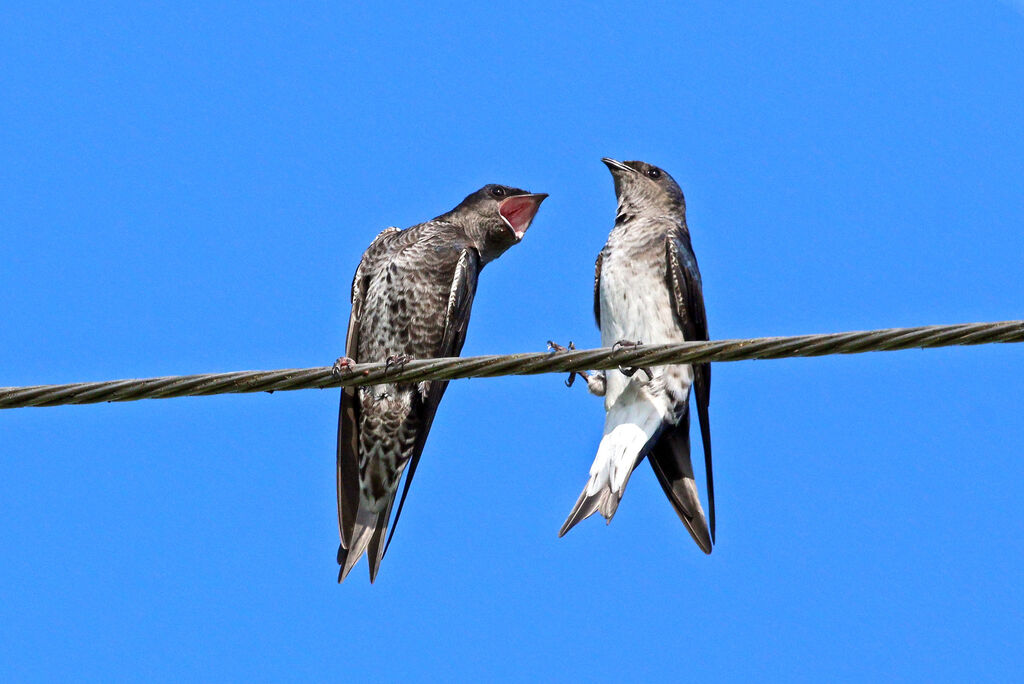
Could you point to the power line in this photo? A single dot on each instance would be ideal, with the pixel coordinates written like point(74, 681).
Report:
point(889, 339)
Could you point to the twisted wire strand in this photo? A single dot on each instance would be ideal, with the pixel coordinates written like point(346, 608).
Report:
point(889, 339)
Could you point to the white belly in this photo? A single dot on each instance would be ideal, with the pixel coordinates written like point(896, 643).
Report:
point(636, 306)
point(629, 312)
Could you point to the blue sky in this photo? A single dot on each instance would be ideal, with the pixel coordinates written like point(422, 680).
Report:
point(189, 189)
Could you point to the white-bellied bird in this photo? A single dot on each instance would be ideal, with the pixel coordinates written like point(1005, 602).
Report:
point(647, 289)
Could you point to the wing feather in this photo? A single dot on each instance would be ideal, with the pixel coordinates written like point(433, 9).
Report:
point(688, 300)
point(670, 460)
point(348, 412)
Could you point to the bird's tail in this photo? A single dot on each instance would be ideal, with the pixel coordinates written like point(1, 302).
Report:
point(670, 459)
point(367, 537)
point(624, 445)
point(604, 501)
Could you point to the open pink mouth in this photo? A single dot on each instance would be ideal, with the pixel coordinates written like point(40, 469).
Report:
point(518, 211)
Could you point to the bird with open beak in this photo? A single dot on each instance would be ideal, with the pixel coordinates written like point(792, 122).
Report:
point(411, 299)
point(647, 289)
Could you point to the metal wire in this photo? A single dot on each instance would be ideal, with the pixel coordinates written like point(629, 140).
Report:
point(890, 339)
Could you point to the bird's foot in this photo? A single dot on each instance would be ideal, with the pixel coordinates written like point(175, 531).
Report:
point(396, 360)
point(630, 371)
point(556, 348)
point(342, 365)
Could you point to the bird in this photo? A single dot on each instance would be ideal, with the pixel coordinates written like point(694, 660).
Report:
point(411, 299)
point(647, 289)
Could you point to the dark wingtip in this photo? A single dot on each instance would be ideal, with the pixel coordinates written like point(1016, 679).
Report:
point(695, 527)
point(711, 489)
point(342, 557)
point(373, 560)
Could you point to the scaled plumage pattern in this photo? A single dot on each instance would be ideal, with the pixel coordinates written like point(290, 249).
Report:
point(411, 299)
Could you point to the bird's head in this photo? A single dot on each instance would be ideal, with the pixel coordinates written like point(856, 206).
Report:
point(644, 188)
point(496, 217)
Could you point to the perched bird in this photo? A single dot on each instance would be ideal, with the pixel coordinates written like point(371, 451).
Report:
point(411, 298)
point(647, 289)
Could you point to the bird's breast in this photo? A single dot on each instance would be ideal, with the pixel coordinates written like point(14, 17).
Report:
point(405, 306)
point(636, 306)
point(635, 302)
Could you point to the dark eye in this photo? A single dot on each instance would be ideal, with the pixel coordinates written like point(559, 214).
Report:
point(653, 173)
point(498, 191)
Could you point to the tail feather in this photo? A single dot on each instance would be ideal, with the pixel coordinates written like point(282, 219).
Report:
point(369, 527)
point(670, 460)
point(376, 548)
point(586, 506)
point(622, 448)
point(609, 504)
point(635, 429)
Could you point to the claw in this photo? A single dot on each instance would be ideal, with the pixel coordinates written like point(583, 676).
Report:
point(343, 364)
point(398, 360)
point(556, 348)
point(631, 370)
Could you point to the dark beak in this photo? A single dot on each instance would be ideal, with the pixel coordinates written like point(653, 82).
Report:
point(614, 165)
point(518, 211)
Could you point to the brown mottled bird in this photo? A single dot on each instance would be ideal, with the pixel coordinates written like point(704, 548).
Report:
point(411, 299)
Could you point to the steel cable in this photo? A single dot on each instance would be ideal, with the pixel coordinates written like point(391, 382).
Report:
point(890, 339)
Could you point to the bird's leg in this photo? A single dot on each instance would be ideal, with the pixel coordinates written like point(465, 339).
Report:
point(595, 379)
point(631, 371)
point(396, 360)
point(343, 364)
point(556, 348)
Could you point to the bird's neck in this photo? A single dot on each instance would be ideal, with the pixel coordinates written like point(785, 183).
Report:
point(630, 209)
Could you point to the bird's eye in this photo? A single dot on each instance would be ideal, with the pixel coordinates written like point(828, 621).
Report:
point(498, 191)
point(653, 173)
